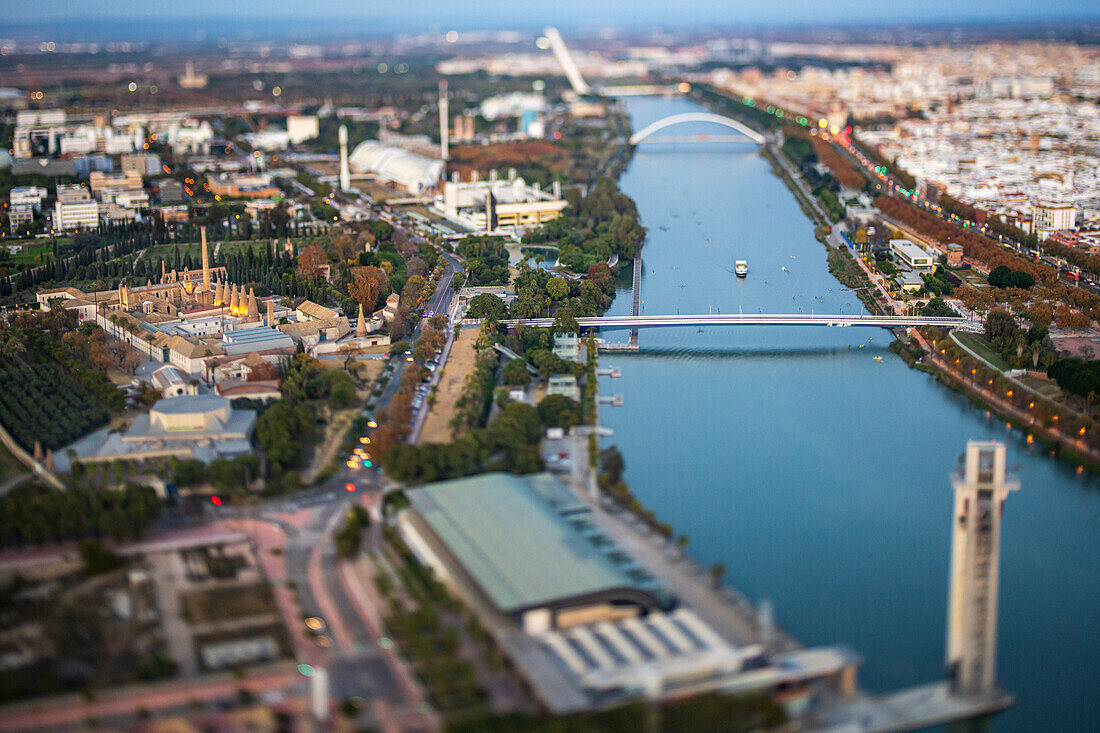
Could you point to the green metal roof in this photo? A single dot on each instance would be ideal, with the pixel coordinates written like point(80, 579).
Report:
point(510, 536)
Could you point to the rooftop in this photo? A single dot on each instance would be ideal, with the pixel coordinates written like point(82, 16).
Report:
point(511, 537)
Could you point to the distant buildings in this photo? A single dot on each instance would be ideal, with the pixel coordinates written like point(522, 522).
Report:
point(300, 128)
point(75, 208)
point(242, 186)
point(23, 203)
point(1049, 216)
point(189, 79)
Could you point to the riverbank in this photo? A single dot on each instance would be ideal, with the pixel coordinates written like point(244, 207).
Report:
point(979, 388)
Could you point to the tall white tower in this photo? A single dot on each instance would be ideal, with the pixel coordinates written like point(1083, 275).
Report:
point(444, 111)
point(565, 58)
point(981, 486)
point(345, 174)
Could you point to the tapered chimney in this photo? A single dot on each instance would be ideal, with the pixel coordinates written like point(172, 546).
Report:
point(443, 112)
point(345, 172)
point(205, 261)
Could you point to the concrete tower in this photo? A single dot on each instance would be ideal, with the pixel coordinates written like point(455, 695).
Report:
point(361, 324)
point(253, 312)
point(568, 65)
point(345, 172)
point(234, 302)
point(219, 293)
point(271, 314)
point(981, 486)
point(443, 113)
point(205, 261)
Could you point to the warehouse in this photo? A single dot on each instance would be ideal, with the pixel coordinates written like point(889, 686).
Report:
point(524, 547)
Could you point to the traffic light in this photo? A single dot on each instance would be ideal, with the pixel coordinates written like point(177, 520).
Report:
point(349, 486)
point(216, 500)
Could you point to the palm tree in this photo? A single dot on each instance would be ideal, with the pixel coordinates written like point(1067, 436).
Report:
point(717, 570)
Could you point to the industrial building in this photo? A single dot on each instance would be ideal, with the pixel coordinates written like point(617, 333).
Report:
point(581, 621)
point(523, 545)
point(499, 206)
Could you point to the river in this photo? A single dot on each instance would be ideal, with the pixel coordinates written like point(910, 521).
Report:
point(817, 474)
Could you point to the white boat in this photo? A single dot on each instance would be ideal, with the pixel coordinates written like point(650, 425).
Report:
point(741, 268)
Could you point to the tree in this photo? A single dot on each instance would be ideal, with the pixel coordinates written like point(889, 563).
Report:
point(97, 559)
point(487, 305)
point(557, 288)
point(1000, 330)
point(559, 411)
point(613, 464)
point(310, 261)
point(566, 322)
point(367, 286)
point(937, 307)
point(717, 571)
point(516, 374)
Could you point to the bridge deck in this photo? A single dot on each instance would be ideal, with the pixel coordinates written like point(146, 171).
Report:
point(757, 319)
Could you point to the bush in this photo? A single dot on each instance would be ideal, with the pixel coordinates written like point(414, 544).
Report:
point(98, 559)
point(558, 411)
point(516, 374)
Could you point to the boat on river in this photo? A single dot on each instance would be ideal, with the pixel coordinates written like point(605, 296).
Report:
point(741, 268)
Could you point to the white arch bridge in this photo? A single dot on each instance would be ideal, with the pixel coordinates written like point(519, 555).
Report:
point(755, 319)
point(661, 124)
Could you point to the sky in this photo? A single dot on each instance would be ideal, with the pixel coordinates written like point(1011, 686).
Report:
point(414, 14)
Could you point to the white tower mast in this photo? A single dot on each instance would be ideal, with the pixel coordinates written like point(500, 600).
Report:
point(444, 120)
point(345, 174)
point(561, 52)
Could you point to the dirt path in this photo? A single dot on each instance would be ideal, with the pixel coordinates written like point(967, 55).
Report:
point(459, 365)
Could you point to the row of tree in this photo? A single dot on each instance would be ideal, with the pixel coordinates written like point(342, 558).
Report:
point(34, 514)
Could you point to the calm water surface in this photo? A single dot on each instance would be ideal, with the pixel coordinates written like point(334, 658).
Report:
point(818, 475)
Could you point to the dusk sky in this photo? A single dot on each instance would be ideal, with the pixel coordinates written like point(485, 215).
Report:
point(512, 13)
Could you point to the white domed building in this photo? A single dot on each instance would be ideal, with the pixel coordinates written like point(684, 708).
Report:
point(413, 172)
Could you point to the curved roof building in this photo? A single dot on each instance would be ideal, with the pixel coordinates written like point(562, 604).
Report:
point(413, 172)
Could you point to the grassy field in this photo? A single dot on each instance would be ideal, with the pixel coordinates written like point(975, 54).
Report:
point(979, 346)
point(32, 249)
